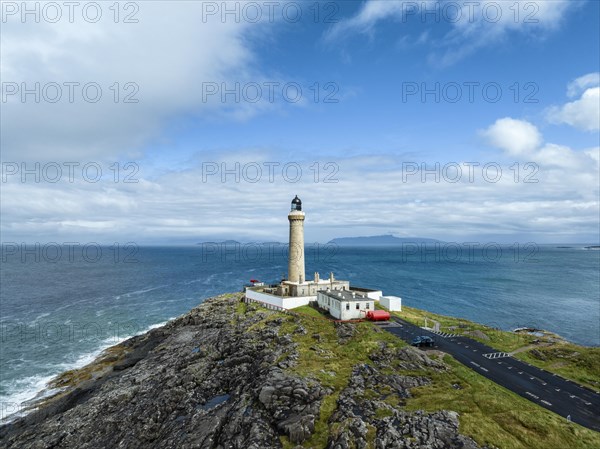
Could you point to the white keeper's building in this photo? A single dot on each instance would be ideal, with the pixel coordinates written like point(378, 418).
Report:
point(345, 304)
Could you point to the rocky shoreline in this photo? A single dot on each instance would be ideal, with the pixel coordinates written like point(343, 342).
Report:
point(222, 376)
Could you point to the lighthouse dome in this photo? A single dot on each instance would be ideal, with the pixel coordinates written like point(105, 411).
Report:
point(296, 203)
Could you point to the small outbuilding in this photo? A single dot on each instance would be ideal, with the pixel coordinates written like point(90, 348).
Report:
point(392, 303)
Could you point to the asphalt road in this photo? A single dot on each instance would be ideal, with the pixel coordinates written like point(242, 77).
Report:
point(548, 390)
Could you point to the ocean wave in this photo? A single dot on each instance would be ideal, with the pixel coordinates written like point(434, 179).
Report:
point(24, 391)
point(40, 316)
point(12, 406)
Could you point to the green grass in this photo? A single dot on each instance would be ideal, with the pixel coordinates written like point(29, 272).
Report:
point(493, 415)
point(488, 413)
point(307, 310)
point(241, 308)
point(332, 364)
point(578, 363)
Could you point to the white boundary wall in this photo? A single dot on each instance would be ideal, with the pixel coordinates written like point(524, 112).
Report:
point(278, 301)
point(375, 295)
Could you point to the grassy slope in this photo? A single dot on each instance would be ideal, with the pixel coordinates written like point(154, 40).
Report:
point(488, 413)
point(493, 415)
point(578, 363)
point(332, 363)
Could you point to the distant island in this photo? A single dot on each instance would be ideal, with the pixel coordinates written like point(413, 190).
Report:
point(379, 240)
point(222, 242)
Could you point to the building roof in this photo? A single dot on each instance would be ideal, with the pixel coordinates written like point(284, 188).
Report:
point(345, 295)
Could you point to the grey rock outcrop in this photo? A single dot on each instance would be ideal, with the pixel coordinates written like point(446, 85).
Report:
point(345, 331)
point(363, 408)
point(201, 381)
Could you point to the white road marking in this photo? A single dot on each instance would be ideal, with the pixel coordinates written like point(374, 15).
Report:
point(546, 402)
point(495, 355)
point(479, 366)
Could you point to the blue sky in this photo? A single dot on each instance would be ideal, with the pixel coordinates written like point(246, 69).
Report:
point(370, 69)
point(369, 54)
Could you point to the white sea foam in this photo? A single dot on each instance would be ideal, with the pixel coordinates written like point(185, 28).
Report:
point(39, 317)
point(209, 279)
point(32, 388)
point(139, 292)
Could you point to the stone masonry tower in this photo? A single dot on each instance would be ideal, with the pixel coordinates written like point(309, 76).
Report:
point(296, 253)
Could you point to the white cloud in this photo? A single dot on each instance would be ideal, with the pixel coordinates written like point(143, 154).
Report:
point(168, 55)
point(473, 24)
point(364, 21)
point(521, 139)
point(516, 137)
point(579, 85)
point(583, 113)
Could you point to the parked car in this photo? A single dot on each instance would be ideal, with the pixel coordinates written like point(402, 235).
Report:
point(423, 340)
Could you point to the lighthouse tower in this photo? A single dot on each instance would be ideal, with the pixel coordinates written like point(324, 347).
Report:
point(296, 290)
point(296, 253)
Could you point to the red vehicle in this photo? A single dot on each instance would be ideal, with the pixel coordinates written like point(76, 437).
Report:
point(256, 283)
point(378, 315)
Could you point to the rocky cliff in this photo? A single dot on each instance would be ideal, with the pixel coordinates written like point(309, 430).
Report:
point(226, 375)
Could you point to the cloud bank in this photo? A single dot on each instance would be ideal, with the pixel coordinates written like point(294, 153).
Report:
point(160, 64)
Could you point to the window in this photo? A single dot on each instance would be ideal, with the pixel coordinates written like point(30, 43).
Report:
point(367, 306)
point(357, 306)
point(347, 306)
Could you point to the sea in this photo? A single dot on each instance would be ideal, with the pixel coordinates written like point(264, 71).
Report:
point(61, 305)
